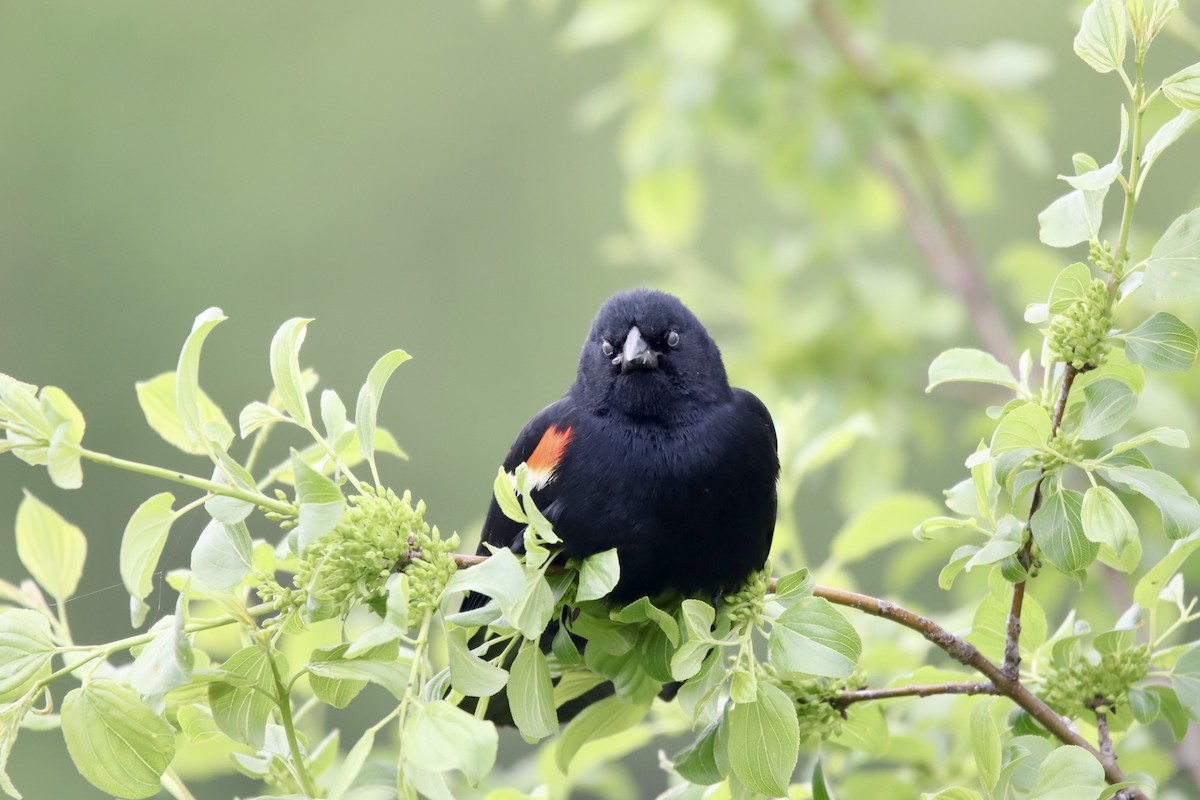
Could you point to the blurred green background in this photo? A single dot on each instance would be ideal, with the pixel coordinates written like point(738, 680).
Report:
point(408, 173)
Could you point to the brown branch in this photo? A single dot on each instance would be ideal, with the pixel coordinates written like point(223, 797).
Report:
point(849, 698)
point(1012, 643)
point(938, 229)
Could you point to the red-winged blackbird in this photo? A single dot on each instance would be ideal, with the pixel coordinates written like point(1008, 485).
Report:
point(652, 452)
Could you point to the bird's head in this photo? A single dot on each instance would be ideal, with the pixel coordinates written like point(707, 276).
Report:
point(648, 356)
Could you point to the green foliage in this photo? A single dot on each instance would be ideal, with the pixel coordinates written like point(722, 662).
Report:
point(323, 582)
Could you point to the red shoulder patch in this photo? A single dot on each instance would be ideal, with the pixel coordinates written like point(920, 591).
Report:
point(548, 453)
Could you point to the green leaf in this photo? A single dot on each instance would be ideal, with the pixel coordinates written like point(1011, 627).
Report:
point(500, 576)
point(366, 413)
point(885, 522)
point(1070, 285)
point(963, 364)
point(1166, 136)
point(157, 399)
point(865, 728)
point(1101, 38)
point(337, 692)
point(1073, 218)
point(642, 610)
point(1173, 268)
point(63, 455)
point(813, 638)
point(1180, 511)
point(441, 737)
point(1171, 710)
point(1027, 425)
point(506, 498)
point(764, 741)
point(985, 743)
point(223, 555)
point(390, 673)
point(1183, 88)
point(25, 652)
point(531, 694)
point(663, 205)
point(321, 503)
point(531, 613)
point(285, 369)
point(1068, 773)
point(242, 707)
point(1145, 594)
point(187, 388)
point(1163, 342)
point(257, 415)
point(698, 763)
point(1108, 404)
point(166, 662)
point(598, 575)
point(1171, 437)
point(352, 765)
point(1058, 529)
point(1106, 520)
point(394, 622)
point(790, 588)
point(469, 674)
point(605, 718)
point(697, 617)
point(52, 549)
point(1185, 679)
point(117, 743)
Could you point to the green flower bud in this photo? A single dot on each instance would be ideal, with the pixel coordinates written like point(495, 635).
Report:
point(1078, 336)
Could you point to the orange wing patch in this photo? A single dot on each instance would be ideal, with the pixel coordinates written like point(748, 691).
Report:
point(547, 455)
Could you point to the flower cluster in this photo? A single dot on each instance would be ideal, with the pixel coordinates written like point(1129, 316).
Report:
point(1078, 336)
point(378, 533)
point(1097, 685)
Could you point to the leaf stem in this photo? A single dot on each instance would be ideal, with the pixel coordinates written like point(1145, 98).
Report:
point(212, 487)
point(284, 701)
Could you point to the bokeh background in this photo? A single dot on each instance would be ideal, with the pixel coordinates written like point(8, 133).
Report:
point(415, 174)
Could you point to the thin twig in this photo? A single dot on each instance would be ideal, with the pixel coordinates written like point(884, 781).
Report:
point(938, 229)
point(849, 698)
point(1012, 643)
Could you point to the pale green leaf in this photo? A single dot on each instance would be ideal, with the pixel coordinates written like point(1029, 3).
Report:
point(506, 498)
point(242, 706)
point(885, 522)
point(1180, 511)
point(285, 369)
point(257, 415)
point(1070, 285)
point(764, 741)
point(188, 409)
point(500, 576)
point(1171, 437)
point(1106, 520)
point(1167, 135)
point(1028, 425)
point(320, 500)
point(442, 737)
point(352, 765)
point(531, 613)
point(1185, 679)
point(598, 574)
point(1068, 773)
point(222, 556)
point(117, 743)
point(470, 675)
point(602, 719)
point(1058, 530)
point(985, 743)
point(813, 638)
point(166, 662)
point(1183, 88)
point(963, 364)
point(1145, 594)
point(52, 549)
point(1073, 218)
point(366, 412)
point(1163, 342)
point(25, 652)
point(531, 694)
point(1173, 267)
point(1108, 405)
point(1101, 38)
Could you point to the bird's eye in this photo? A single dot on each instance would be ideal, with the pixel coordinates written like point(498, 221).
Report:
point(607, 349)
point(673, 339)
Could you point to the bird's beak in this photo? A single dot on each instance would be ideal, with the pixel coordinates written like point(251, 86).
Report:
point(636, 354)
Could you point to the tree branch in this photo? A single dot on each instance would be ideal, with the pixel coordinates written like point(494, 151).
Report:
point(917, 690)
point(1012, 643)
point(937, 227)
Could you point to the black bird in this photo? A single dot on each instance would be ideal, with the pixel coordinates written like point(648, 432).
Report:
point(652, 452)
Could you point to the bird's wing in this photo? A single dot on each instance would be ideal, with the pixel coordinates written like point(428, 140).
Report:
point(748, 403)
point(540, 445)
